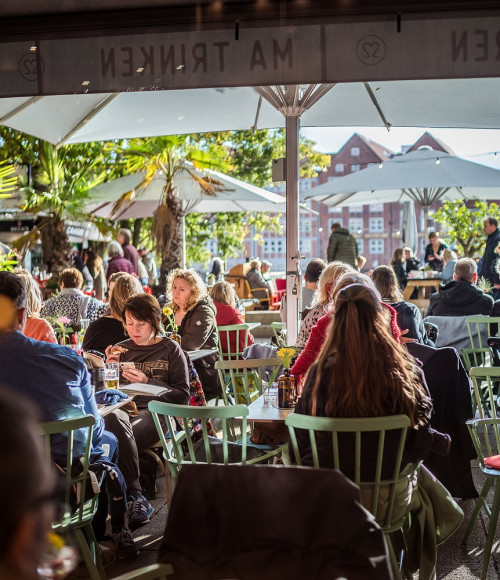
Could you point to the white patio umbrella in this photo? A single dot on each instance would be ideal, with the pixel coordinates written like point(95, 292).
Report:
point(424, 176)
point(232, 195)
point(78, 118)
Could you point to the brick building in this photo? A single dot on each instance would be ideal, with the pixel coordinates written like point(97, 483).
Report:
point(377, 226)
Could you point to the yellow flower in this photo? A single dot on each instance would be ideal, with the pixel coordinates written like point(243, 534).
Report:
point(167, 311)
point(55, 541)
point(286, 352)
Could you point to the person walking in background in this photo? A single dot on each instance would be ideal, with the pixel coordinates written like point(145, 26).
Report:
point(124, 238)
point(149, 262)
point(490, 228)
point(117, 262)
point(342, 246)
point(434, 252)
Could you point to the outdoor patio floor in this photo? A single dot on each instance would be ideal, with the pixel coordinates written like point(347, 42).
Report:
point(454, 560)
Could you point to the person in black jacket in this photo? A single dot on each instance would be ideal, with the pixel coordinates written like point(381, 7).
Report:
point(195, 320)
point(490, 228)
point(461, 296)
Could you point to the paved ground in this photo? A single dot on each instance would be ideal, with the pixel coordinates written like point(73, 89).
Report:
point(454, 560)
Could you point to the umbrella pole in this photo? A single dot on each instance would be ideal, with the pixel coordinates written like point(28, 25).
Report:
point(293, 274)
point(183, 234)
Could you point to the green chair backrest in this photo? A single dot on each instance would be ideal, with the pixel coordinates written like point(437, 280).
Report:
point(276, 326)
point(378, 494)
point(68, 428)
point(177, 443)
point(480, 328)
point(477, 357)
point(486, 382)
point(485, 434)
point(246, 376)
point(232, 331)
point(153, 572)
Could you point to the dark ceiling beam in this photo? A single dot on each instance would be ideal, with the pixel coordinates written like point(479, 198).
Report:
point(185, 17)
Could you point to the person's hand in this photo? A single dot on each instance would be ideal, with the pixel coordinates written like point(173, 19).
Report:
point(110, 357)
point(430, 258)
point(404, 339)
point(134, 376)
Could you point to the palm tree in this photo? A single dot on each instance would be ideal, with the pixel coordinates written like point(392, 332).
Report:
point(59, 192)
point(170, 155)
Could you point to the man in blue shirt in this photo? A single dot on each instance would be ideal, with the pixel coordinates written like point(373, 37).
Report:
point(56, 380)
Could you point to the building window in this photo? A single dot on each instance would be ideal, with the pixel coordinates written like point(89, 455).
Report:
point(377, 246)
point(330, 178)
point(305, 247)
point(305, 226)
point(376, 207)
point(360, 245)
point(335, 209)
point(376, 225)
point(332, 221)
point(355, 209)
point(355, 151)
point(356, 225)
point(355, 167)
point(339, 168)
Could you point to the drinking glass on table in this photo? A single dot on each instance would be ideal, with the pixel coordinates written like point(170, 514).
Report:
point(111, 374)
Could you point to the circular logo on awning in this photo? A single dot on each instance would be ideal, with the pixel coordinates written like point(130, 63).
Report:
point(28, 66)
point(371, 49)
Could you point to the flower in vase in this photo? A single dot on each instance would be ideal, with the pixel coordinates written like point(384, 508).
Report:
point(169, 318)
point(286, 355)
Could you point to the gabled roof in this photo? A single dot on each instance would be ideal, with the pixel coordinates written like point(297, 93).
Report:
point(380, 151)
point(429, 139)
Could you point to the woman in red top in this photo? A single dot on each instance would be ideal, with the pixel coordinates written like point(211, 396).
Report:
point(224, 297)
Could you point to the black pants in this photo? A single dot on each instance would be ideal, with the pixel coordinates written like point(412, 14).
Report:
point(134, 434)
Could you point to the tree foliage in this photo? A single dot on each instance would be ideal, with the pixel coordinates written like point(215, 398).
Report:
point(464, 225)
point(172, 156)
point(57, 192)
point(250, 153)
point(230, 231)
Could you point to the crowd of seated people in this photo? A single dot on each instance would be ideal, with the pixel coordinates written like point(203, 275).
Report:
point(355, 321)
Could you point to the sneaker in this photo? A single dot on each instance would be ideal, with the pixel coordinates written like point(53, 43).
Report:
point(125, 545)
point(139, 510)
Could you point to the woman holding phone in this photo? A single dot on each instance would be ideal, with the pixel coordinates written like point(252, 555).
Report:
point(159, 361)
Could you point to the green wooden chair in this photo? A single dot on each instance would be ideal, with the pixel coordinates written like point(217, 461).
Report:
point(178, 446)
point(476, 357)
point(378, 493)
point(232, 331)
point(244, 377)
point(153, 572)
point(485, 382)
point(78, 521)
point(480, 328)
point(485, 435)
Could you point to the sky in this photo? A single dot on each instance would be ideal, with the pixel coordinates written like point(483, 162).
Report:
point(477, 145)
